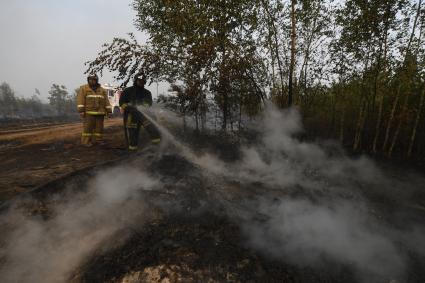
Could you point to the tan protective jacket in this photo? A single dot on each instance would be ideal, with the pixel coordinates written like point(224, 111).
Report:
point(93, 102)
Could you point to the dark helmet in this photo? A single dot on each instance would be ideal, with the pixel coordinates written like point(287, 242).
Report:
point(140, 76)
point(92, 76)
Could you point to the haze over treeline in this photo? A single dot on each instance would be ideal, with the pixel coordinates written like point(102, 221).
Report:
point(60, 103)
point(46, 42)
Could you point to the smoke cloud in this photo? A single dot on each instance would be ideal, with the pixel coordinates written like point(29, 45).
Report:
point(305, 233)
point(37, 250)
point(301, 202)
point(330, 215)
point(314, 201)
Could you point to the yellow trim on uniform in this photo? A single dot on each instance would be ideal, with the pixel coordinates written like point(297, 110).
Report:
point(132, 147)
point(97, 135)
point(80, 105)
point(95, 96)
point(129, 123)
point(156, 141)
point(95, 113)
point(86, 134)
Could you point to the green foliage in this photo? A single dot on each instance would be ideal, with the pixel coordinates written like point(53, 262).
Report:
point(12, 106)
point(8, 102)
point(60, 103)
point(203, 44)
point(357, 65)
point(59, 98)
point(125, 57)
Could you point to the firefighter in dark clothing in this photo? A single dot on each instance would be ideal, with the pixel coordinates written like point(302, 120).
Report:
point(132, 97)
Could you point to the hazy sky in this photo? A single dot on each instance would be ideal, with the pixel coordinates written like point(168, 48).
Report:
point(47, 41)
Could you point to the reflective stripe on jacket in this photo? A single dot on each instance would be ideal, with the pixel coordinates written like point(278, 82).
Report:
point(93, 102)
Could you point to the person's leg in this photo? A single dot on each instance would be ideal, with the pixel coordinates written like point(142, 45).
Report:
point(88, 127)
point(126, 134)
point(132, 132)
point(98, 132)
point(151, 129)
point(135, 133)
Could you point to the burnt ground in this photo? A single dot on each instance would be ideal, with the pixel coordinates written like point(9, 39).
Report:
point(40, 152)
point(28, 123)
point(192, 231)
point(189, 236)
point(201, 248)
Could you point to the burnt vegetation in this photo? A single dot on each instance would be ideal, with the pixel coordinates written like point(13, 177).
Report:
point(354, 68)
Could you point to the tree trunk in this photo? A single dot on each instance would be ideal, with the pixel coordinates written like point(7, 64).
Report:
point(304, 68)
point(405, 104)
point(341, 126)
point(184, 122)
point(203, 112)
point(223, 89)
point(224, 110)
point(240, 115)
point(398, 90)
point(215, 120)
point(362, 113)
point(415, 127)
point(400, 122)
point(378, 126)
point(292, 63)
point(421, 101)
point(412, 34)
point(360, 125)
point(196, 121)
point(390, 120)
point(334, 102)
point(273, 60)
point(272, 25)
point(381, 102)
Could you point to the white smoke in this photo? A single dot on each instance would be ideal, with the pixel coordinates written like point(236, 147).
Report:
point(37, 250)
point(305, 233)
point(282, 160)
point(338, 223)
point(329, 217)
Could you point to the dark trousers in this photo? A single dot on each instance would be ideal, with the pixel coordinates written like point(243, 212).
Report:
point(133, 121)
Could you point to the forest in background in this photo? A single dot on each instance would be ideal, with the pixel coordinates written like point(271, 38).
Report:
point(354, 68)
point(61, 103)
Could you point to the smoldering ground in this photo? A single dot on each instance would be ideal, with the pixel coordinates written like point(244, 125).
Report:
point(330, 212)
point(317, 204)
point(298, 202)
point(47, 250)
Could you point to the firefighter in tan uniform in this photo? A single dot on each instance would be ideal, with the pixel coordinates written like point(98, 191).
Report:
point(93, 105)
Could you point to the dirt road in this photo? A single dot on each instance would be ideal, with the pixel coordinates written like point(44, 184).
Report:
point(33, 156)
